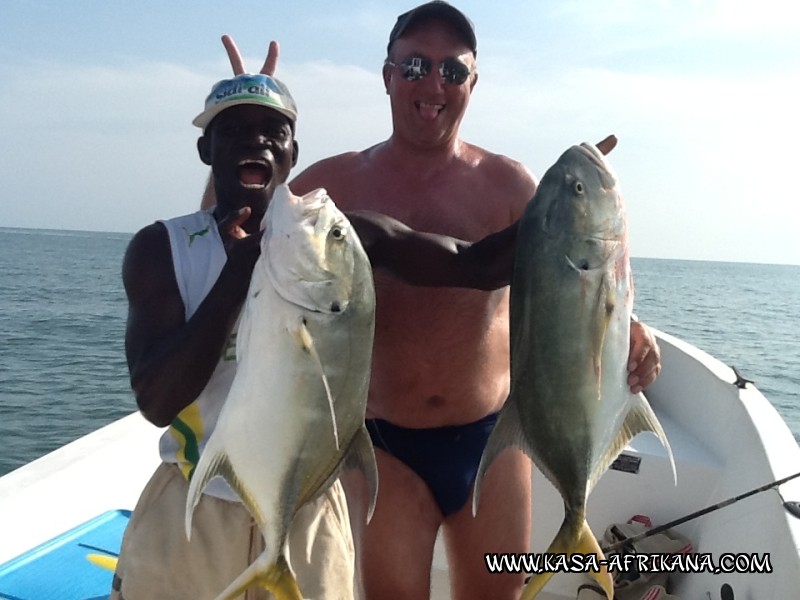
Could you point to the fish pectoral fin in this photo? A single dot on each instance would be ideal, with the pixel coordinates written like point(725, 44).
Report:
point(507, 433)
point(276, 578)
point(361, 456)
point(573, 538)
point(604, 310)
point(306, 342)
point(640, 418)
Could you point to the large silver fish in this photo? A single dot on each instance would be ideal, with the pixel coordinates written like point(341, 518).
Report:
point(295, 410)
point(570, 408)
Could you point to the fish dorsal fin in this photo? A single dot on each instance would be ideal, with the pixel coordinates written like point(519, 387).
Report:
point(507, 433)
point(361, 456)
point(306, 342)
point(640, 418)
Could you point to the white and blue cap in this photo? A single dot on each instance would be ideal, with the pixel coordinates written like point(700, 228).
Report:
point(247, 88)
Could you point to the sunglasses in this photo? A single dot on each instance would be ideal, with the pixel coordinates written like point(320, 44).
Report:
point(415, 68)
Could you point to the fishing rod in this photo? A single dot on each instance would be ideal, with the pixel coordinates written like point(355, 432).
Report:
point(792, 507)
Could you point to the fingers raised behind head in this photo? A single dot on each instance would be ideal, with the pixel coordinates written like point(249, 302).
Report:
point(271, 62)
point(234, 56)
point(237, 62)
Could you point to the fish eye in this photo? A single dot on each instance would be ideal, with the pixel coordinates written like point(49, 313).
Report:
point(578, 187)
point(338, 233)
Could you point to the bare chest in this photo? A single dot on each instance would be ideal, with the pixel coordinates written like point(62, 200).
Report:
point(468, 210)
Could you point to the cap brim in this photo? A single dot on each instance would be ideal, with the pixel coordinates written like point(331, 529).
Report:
point(204, 118)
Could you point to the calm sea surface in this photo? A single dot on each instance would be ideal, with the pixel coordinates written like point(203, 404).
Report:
point(62, 318)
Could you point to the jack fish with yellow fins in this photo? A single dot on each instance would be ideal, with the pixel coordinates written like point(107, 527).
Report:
point(295, 410)
point(570, 408)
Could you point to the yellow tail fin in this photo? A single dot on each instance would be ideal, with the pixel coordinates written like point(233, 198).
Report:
point(569, 540)
point(277, 578)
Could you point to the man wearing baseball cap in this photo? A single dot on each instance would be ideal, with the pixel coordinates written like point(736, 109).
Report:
point(440, 359)
point(186, 279)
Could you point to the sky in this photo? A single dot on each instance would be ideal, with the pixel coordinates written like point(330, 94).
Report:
point(97, 98)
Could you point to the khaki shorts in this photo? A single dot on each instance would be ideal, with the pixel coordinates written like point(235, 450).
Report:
point(158, 562)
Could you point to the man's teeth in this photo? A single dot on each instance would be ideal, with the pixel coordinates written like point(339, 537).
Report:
point(253, 174)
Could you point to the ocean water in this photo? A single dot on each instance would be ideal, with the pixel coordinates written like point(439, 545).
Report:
point(63, 310)
point(62, 355)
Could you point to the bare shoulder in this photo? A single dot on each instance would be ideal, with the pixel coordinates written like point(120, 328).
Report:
point(498, 170)
point(506, 169)
point(148, 258)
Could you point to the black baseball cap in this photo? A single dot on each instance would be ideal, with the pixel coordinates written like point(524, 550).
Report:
point(438, 9)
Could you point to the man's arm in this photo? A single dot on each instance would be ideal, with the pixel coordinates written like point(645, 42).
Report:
point(428, 259)
point(171, 359)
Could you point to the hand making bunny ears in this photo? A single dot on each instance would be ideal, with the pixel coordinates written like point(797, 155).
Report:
point(237, 63)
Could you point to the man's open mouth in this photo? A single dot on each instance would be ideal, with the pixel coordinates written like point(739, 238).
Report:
point(254, 174)
point(429, 111)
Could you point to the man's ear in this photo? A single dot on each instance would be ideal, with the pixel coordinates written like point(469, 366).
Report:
point(474, 81)
point(295, 152)
point(387, 76)
point(204, 149)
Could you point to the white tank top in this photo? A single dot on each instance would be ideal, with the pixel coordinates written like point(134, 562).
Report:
point(198, 256)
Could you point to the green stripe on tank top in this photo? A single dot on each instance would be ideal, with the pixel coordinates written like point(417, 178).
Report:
point(190, 449)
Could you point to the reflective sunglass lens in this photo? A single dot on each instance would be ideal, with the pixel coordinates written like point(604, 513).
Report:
point(415, 68)
point(454, 71)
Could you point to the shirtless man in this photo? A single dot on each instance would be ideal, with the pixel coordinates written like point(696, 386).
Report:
point(441, 357)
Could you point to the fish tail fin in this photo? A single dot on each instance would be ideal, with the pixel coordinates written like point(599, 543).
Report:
point(276, 578)
point(507, 432)
point(587, 544)
point(573, 538)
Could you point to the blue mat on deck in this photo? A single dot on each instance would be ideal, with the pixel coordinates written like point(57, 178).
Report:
point(59, 569)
